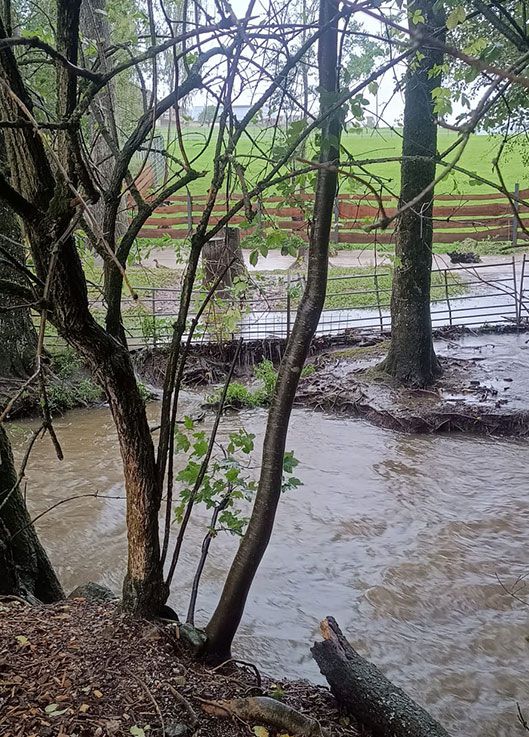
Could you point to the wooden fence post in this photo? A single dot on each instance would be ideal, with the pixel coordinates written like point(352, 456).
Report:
point(189, 202)
point(514, 233)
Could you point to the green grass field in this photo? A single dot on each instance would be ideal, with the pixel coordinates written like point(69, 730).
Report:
point(365, 144)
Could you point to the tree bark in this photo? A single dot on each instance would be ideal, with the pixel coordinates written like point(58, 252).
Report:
point(94, 25)
point(411, 358)
point(25, 569)
point(366, 694)
point(227, 616)
point(223, 254)
point(17, 332)
point(48, 211)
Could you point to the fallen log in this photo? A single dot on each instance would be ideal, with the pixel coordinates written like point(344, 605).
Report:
point(263, 709)
point(366, 694)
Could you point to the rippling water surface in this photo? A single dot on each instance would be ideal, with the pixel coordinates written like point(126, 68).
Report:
point(401, 538)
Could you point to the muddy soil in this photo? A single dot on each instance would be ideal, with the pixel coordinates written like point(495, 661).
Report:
point(481, 388)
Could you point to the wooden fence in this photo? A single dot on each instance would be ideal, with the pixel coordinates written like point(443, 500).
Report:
point(455, 218)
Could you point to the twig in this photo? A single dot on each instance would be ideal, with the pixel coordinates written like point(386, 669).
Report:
point(247, 663)
point(185, 703)
point(12, 597)
point(149, 694)
point(521, 718)
point(22, 466)
point(9, 406)
point(58, 504)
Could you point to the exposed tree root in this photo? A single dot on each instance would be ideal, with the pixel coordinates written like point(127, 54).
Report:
point(405, 410)
point(262, 709)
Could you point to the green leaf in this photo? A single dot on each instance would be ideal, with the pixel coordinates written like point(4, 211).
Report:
point(189, 474)
point(477, 46)
point(200, 446)
point(254, 257)
point(182, 441)
point(455, 17)
point(442, 98)
point(22, 640)
point(289, 461)
point(188, 422)
point(417, 17)
point(232, 474)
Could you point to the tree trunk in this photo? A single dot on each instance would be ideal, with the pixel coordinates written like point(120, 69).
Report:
point(25, 569)
point(223, 254)
point(143, 590)
point(366, 694)
point(411, 358)
point(94, 25)
point(17, 332)
point(48, 213)
point(227, 616)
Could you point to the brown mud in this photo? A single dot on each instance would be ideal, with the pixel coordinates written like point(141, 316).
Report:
point(480, 390)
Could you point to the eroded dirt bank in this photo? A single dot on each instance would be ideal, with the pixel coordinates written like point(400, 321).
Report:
point(482, 388)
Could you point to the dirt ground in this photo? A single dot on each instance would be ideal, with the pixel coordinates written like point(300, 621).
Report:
point(84, 669)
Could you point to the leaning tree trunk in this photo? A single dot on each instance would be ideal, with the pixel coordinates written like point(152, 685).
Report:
point(366, 694)
point(227, 616)
point(411, 358)
point(25, 569)
point(46, 205)
point(18, 341)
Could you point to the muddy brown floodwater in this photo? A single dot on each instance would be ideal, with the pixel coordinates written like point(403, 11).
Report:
point(400, 537)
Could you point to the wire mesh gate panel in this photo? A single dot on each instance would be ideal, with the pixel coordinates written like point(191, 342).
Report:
point(462, 295)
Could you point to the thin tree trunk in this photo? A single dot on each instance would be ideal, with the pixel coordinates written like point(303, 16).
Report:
point(227, 616)
point(25, 569)
point(94, 25)
point(411, 358)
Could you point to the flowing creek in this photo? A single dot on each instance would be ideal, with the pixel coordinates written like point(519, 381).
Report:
point(400, 537)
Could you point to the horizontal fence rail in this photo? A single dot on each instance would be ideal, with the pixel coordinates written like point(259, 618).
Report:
point(455, 217)
point(462, 295)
